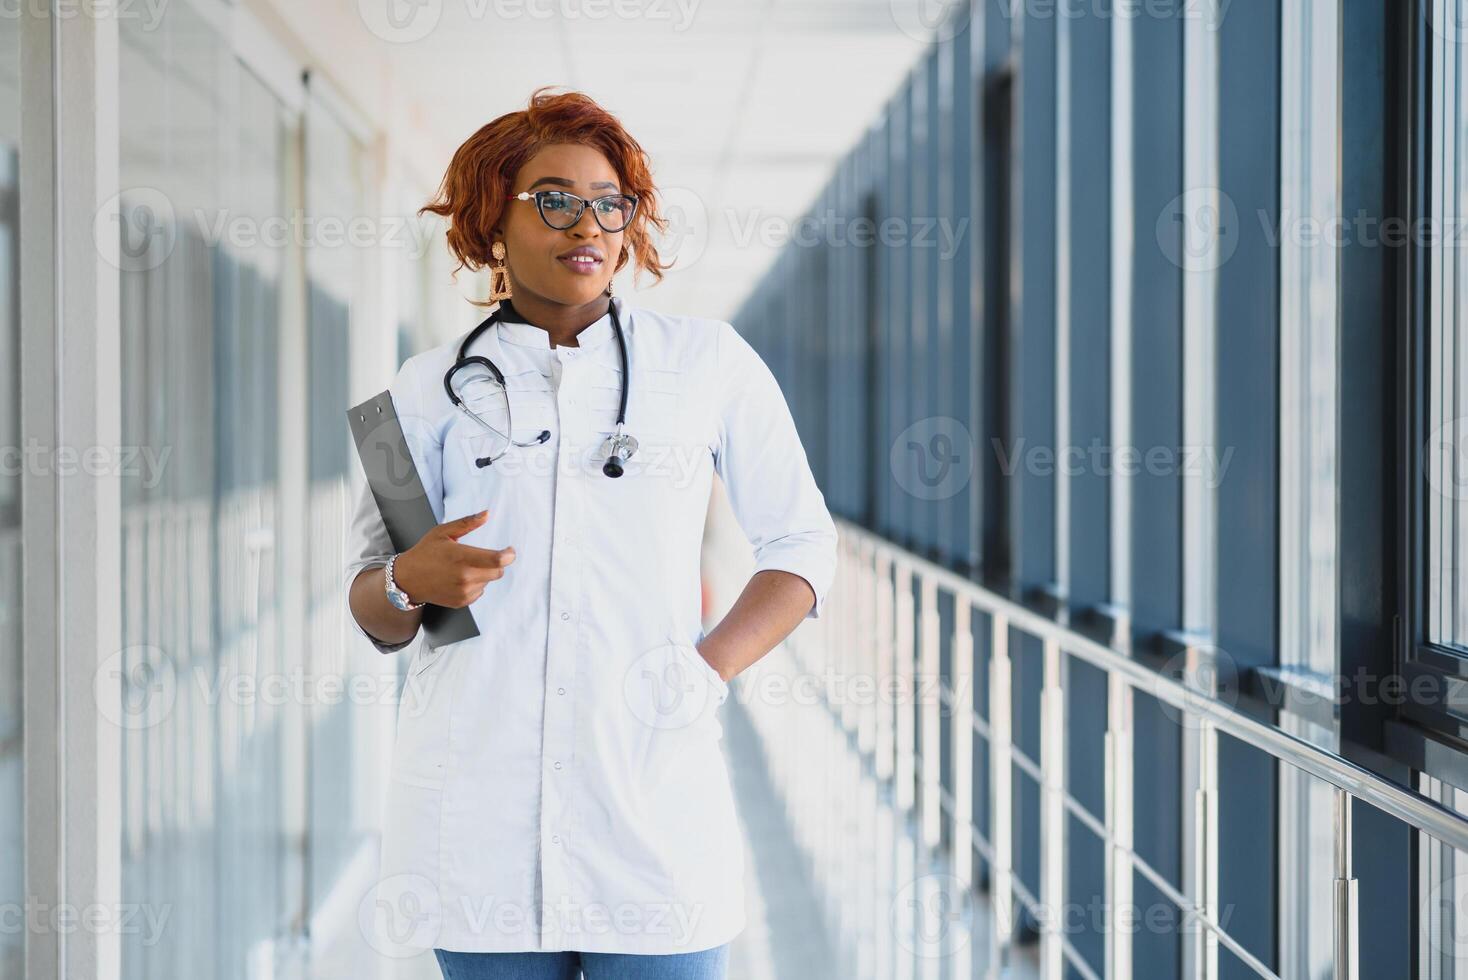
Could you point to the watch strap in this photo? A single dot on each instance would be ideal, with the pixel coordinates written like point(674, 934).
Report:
point(392, 586)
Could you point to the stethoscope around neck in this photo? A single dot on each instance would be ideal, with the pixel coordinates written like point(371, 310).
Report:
point(618, 447)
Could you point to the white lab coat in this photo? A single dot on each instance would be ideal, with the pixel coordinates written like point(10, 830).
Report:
point(557, 782)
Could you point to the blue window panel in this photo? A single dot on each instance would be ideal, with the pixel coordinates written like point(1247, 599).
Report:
point(935, 379)
point(1033, 401)
point(874, 482)
point(839, 381)
point(1247, 417)
point(894, 333)
point(996, 110)
point(916, 458)
point(901, 330)
point(958, 536)
point(930, 455)
point(1034, 317)
point(1157, 324)
point(1156, 399)
point(1088, 225)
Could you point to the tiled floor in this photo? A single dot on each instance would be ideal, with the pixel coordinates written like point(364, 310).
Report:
point(912, 925)
point(890, 911)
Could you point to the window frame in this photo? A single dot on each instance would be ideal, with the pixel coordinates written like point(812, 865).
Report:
point(1422, 662)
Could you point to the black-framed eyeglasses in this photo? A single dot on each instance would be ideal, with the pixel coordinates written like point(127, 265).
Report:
point(562, 209)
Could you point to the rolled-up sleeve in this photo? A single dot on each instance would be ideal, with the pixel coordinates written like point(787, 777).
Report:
point(367, 541)
point(368, 545)
point(764, 467)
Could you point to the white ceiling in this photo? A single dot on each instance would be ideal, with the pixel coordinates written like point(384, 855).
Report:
point(744, 106)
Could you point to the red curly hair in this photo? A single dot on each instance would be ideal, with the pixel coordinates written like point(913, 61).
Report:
point(473, 193)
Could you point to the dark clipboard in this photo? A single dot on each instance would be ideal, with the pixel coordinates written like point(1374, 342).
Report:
point(402, 501)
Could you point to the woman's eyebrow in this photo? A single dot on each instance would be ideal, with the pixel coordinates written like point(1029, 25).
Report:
point(598, 185)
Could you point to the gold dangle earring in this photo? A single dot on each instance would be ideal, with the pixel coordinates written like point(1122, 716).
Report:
point(499, 275)
point(614, 274)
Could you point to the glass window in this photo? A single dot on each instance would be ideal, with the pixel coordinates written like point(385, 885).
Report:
point(340, 823)
point(1446, 369)
point(204, 761)
point(12, 799)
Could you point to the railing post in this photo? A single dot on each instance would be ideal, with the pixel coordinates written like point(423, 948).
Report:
point(905, 769)
point(865, 641)
point(1119, 808)
point(929, 706)
point(961, 734)
point(1200, 845)
point(1052, 796)
point(886, 672)
point(1347, 933)
point(843, 659)
point(1001, 784)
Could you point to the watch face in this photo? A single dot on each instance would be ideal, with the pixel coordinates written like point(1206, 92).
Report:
point(398, 598)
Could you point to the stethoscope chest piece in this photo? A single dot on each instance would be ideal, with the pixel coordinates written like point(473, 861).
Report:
point(616, 449)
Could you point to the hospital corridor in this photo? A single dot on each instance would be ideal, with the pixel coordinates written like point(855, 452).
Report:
point(733, 489)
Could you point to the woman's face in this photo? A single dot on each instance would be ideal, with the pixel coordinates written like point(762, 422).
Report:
point(541, 258)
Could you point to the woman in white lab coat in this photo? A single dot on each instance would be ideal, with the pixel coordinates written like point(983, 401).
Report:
point(559, 804)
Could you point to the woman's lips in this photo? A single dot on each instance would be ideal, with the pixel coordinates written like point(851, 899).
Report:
point(583, 264)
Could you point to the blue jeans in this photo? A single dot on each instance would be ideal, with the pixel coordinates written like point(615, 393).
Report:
point(706, 964)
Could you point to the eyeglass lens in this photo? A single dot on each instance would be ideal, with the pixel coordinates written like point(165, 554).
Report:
point(561, 210)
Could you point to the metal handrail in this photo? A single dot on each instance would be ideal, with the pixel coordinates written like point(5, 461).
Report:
point(888, 619)
point(1409, 806)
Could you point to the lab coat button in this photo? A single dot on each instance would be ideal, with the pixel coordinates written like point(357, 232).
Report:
point(560, 690)
point(565, 615)
point(558, 765)
point(555, 838)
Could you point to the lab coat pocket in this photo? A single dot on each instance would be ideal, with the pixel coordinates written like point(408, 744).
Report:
point(671, 688)
point(718, 688)
point(420, 752)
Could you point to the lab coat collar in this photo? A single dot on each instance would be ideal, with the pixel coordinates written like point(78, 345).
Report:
point(515, 329)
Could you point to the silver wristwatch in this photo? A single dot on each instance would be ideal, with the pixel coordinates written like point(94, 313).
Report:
point(397, 596)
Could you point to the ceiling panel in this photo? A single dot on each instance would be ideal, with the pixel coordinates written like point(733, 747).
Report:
point(744, 106)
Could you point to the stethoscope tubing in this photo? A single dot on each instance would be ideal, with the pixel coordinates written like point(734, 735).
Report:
point(621, 451)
